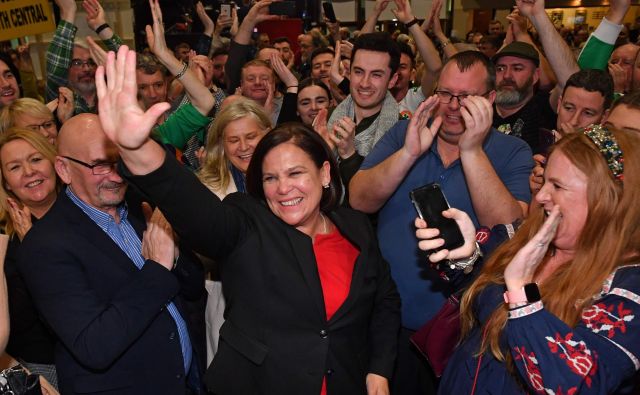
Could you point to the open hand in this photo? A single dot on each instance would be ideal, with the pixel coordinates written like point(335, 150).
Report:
point(123, 120)
point(344, 137)
point(95, 13)
point(419, 135)
point(522, 267)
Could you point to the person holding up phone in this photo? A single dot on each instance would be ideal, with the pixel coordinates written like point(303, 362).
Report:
point(555, 309)
point(449, 140)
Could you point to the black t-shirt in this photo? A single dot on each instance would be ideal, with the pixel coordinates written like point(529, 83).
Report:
point(527, 122)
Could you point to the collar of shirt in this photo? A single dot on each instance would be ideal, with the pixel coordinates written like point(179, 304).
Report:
point(102, 219)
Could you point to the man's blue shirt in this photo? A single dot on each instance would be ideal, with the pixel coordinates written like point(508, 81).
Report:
point(422, 291)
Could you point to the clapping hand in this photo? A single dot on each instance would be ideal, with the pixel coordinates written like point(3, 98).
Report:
point(20, 216)
point(158, 243)
point(419, 135)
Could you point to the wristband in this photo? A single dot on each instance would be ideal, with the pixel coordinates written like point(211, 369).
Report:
point(411, 22)
point(445, 43)
point(183, 71)
point(101, 28)
point(527, 294)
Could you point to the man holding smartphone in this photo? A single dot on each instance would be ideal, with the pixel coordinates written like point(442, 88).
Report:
point(450, 141)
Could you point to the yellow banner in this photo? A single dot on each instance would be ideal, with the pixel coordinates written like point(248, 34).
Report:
point(19, 18)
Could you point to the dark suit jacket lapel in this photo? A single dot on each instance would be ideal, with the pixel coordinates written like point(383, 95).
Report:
point(357, 238)
point(303, 250)
point(94, 235)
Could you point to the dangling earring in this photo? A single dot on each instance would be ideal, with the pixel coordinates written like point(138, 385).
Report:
point(326, 186)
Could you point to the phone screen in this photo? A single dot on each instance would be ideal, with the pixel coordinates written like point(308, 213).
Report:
point(225, 9)
point(430, 202)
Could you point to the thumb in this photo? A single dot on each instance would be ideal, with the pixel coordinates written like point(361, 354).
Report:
point(157, 110)
point(147, 211)
point(150, 36)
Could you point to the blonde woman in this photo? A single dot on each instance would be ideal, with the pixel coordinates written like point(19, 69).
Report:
point(232, 139)
point(29, 114)
point(28, 189)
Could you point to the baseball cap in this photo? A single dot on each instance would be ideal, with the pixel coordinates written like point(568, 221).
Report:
point(519, 49)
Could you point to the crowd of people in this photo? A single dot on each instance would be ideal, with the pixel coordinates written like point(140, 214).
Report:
point(232, 217)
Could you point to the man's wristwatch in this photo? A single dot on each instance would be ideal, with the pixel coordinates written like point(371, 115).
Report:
point(411, 22)
point(527, 294)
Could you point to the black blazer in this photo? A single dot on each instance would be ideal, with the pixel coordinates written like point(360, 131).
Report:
point(115, 335)
point(276, 339)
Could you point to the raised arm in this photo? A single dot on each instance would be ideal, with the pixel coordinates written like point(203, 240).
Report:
point(369, 189)
point(200, 96)
point(60, 49)
point(370, 24)
point(557, 51)
point(97, 21)
point(447, 47)
point(425, 46)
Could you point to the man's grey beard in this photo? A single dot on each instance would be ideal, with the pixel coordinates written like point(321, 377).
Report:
point(509, 97)
point(83, 88)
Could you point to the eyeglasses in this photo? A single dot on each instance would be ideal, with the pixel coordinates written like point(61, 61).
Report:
point(79, 63)
point(98, 169)
point(446, 97)
point(48, 125)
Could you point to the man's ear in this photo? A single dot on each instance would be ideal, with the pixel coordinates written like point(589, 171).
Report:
point(62, 169)
point(605, 116)
point(536, 75)
point(392, 81)
point(491, 96)
point(559, 104)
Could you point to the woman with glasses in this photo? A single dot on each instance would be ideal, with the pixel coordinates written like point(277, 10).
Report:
point(28, 190)
point(31, 114)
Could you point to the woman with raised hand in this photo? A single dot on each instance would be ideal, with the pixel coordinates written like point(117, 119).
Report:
point(555, 309)
point(311, 306)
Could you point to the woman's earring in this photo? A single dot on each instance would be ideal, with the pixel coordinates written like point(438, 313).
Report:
point(326, 186)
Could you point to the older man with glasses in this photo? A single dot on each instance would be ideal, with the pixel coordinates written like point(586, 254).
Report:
point(69, 64)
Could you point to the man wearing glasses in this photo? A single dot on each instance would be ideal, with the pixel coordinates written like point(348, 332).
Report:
point(113, 295)
point(69, 64)
point(448, 141)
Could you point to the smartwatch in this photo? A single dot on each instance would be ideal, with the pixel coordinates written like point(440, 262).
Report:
point(528, 294)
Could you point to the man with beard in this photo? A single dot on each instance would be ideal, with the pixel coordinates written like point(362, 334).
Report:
point(520, 110)
point(70, 65)
point(115, 298)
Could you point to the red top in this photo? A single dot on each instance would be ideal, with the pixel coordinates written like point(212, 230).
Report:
point(335, 257)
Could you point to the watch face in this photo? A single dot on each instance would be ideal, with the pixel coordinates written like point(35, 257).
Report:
point(532, 292)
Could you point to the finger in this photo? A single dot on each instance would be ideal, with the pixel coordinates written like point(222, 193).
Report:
point(427, 233)
point(439, 255)
point(435, 125)
point(420, 223)
point(101, 88)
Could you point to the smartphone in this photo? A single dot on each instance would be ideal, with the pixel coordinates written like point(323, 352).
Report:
point(329, 12)
point(225, 10)
point(430, 202)
point(286, 8)
point(546, 139)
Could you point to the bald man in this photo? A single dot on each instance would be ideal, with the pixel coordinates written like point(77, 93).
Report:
point(113, 298)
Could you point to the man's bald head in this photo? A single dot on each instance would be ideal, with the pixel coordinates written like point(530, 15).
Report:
point(86, 162)
point(77, 132)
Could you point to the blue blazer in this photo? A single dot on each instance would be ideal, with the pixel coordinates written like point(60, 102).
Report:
point(114, 334)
